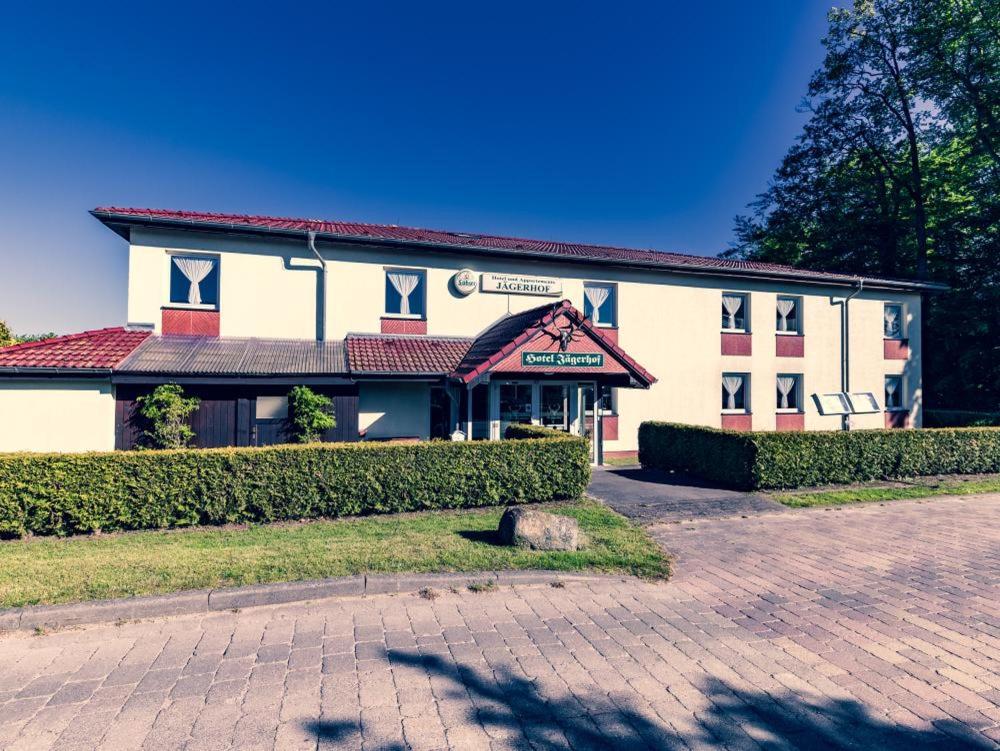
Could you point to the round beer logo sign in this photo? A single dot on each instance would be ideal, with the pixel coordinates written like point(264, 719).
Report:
point(465, 282)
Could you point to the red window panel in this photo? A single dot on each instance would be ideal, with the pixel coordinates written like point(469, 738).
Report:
point(789, 346)
point(737, 422)
point(609, 423)
point(404, 326)
point(790, 421)
point(897, 419)
point(896, 349)
point(737, 344)
point(190, 322)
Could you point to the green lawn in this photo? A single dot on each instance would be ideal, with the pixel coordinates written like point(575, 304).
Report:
point(896, 492)
point(51, 570)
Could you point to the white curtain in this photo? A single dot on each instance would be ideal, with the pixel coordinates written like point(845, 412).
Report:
point(404, 284)
point(732, 304)
point(731, 384)
point(890, 389)
point(785, 386)
point(891, 321)
point(195, 269)
point(596, 296)
point(784, 308)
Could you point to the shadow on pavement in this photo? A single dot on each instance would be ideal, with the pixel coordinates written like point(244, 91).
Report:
point(511, 706)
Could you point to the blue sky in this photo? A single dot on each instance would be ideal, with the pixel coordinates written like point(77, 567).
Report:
point(644, 125)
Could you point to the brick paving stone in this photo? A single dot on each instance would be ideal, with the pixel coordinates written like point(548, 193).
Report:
point(852, 628)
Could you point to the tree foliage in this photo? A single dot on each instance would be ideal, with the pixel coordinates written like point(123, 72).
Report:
point(896, 173)
point(309, 414)
point(166, 412)
point(6, 336)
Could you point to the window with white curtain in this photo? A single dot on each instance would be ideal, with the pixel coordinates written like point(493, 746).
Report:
point(894, 392)
point(600, 304)
point(788, 319)
point(194, 281)
point(405, 293)
point(735, 392)
point(789, 392)
point(892, 320)
point(734, 312)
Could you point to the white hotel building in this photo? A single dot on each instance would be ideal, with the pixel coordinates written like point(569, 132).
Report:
point(421, 334)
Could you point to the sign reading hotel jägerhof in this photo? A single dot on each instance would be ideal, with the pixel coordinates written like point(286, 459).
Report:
point(563, 359)
point(518, 284)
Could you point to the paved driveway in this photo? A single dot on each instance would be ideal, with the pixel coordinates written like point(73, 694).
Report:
point(865, 628)
point(649, 495)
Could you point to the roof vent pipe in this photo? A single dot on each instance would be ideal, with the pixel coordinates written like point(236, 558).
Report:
point(320, 290)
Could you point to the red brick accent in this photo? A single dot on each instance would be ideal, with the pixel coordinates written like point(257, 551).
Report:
point(190, 322)
point(737, 344)
point(610, 334)
point(404, 326)
point(897, 419)
point(737, 422)
point(790, 421)
point(610, 425)
point(896, 349)
point(633, 455)
point(789, 346)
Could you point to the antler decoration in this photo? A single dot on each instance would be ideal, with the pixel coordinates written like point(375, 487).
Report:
point(566, 334)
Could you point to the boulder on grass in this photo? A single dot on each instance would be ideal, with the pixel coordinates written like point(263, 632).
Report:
point(527, 528)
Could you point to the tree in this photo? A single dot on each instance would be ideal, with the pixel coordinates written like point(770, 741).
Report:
point(896, 174)
point(6, 336)
point(166, 412)
point(309, 414)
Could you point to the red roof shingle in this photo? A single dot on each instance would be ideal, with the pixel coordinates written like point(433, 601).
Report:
point(386, 353)
point(112, 215)
point(90, 350)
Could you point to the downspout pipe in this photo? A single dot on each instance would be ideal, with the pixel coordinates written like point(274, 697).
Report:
point(845, 347)
point(321, 292)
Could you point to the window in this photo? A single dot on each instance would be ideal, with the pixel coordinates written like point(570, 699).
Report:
point(893, 321)
point(600, 304)
point(789, 392)
point(787, 318)
point(734, 312)
point(194, 281)
point(272, 407)
point(606, 404)
point(735, 397)
point(893, 392)
point(405, 293)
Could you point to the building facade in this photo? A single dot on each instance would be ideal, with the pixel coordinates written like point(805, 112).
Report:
point(420, 334)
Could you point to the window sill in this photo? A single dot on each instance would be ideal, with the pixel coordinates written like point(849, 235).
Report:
point(188, 306)
point(402, 317)
point(789, 411)
point(788, 333)
point(897, 409)
point(736, 412)
point(735, 331)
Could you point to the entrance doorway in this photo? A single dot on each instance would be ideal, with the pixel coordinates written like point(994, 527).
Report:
point(516, 401)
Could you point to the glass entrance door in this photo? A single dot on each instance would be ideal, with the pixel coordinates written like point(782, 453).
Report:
point(515, 404)
point(554, 406)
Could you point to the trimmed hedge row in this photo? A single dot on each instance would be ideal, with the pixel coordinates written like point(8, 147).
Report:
point(64, 494)
point(960, 418)
point(757, 461)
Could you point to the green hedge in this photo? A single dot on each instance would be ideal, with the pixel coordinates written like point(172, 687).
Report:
point(959, 418)
point(752, 461)
point(66, 494)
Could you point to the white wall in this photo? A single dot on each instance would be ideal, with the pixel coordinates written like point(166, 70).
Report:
point(669, 322)
point(41, 415)
point(394, 410)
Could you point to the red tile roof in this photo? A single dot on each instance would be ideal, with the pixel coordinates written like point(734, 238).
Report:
point(116, 215)
point(505, 336)
point(387, 353)
point(89, 350)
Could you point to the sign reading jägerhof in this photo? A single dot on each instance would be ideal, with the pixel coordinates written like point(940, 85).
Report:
point(517, 284)
point(562, 359)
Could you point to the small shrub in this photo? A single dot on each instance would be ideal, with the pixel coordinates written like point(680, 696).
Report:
point(486, 585)
point(960, 418)
point(309, 414)
point(751, 461)
point(165, 414)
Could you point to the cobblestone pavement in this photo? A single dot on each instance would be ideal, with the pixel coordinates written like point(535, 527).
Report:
point(873, 627)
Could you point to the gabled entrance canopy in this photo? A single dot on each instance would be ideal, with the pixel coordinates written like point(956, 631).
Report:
point(549, 341)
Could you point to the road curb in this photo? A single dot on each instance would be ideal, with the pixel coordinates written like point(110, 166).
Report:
point(233, 598)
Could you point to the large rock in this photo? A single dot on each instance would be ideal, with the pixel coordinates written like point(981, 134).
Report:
point(527, 528)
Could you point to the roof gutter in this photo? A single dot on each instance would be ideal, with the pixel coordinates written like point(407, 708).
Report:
point(241, 229)
point(22, 372)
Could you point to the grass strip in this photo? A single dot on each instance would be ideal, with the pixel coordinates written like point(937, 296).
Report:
point(75, 569)
point(870, 494)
